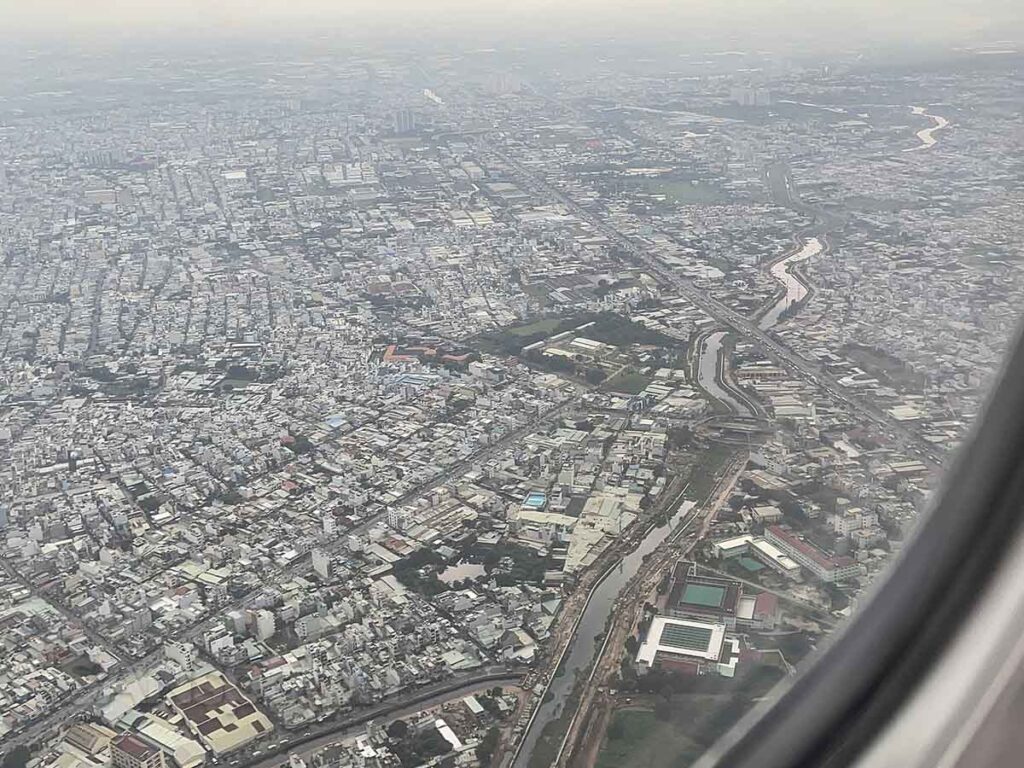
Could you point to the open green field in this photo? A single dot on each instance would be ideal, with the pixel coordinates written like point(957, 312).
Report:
point(544, 325)
point(659, 732)
point(637, 738)
point(607, 327)
point(628, 382)
point(682, 192)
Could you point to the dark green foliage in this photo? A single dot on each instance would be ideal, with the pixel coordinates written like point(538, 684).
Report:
point(608, 327)
point(418, 572)
point(632, 646)
point(301, 445)
point(415, 748)
point(242, 373)
point(17, 757)
point(514, 564)
point(83, 666)
point(485, 749)
point(620, 331)
point(398, 730)
point(679, 437)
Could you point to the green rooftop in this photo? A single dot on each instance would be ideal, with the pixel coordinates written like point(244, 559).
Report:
point(685, 637)
point(705, 595)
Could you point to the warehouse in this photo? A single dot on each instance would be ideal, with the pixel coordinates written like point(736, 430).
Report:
point(217, 713)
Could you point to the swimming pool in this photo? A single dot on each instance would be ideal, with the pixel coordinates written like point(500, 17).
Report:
point(535, 499)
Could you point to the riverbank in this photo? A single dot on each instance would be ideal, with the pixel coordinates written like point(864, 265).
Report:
point(579, 652)
point(598, 697)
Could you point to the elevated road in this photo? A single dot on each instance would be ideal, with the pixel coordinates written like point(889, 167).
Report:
point(642, 255)
point(315, 738)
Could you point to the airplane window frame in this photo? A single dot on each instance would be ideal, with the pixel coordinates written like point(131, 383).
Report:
point(870, 667)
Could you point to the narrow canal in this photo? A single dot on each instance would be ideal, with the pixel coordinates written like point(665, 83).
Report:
point(584, 645)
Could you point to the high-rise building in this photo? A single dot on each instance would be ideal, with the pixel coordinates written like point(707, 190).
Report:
point(751, 97)
point(307, 627)
point(183, 653)
point(321, 563)
point(405, 121)
point(398, 518)
point(128, 751)
point(266, 625)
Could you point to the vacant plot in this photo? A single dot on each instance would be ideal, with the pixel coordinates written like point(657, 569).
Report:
point(607, 327)
point(706, 467)
point(657, 732)
point(511, 340)
point(885, 366)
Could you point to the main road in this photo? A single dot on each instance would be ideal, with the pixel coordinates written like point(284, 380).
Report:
point(314, 739)
point(795, 363)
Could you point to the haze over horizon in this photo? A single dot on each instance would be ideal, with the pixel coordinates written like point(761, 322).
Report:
point(702, 24)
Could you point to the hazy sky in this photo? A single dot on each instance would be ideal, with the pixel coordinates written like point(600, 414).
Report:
point(833, 20)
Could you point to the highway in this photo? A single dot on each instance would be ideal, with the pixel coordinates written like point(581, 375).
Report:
point(642, 256)
point(783, 355)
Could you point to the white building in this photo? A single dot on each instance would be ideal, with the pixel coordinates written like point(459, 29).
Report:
point(321, 564)
point(828, 568)
point(398, 518)
point(183, 653)
point(684, 644)
point(266, 625)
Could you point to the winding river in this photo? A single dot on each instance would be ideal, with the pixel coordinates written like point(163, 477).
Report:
point(710, 371)
point(796, 291)
point(926, 135)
